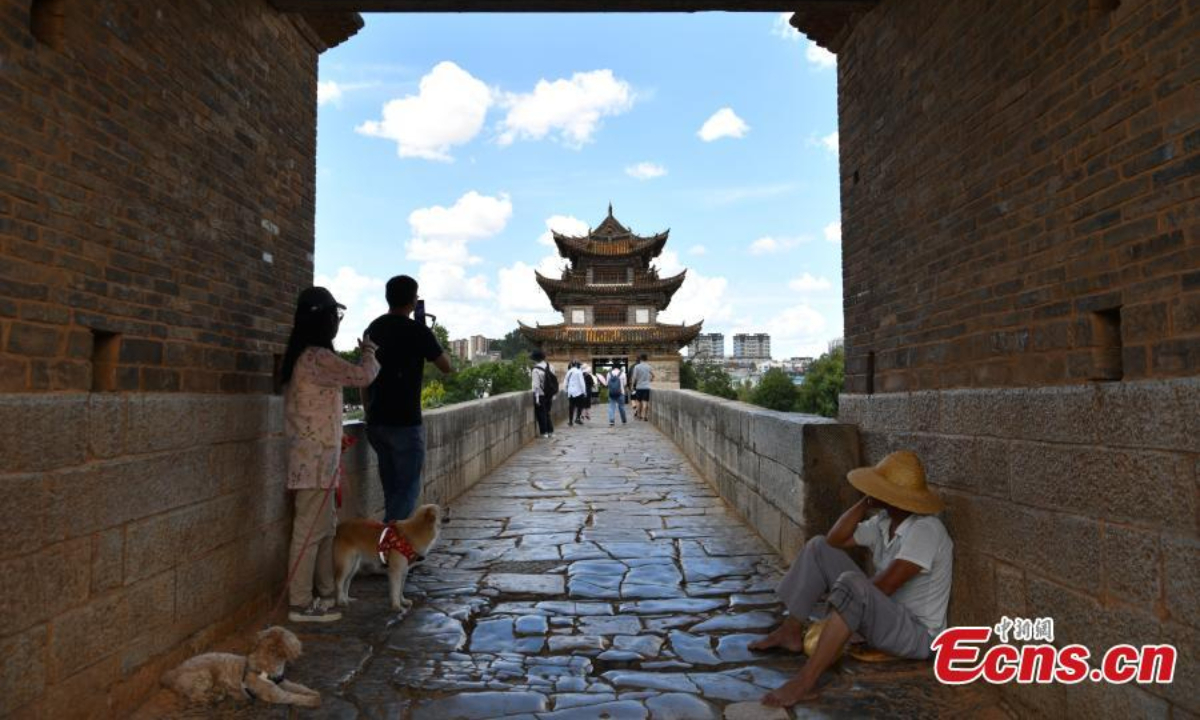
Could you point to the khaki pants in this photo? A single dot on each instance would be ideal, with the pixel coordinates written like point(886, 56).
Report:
point(316, 567)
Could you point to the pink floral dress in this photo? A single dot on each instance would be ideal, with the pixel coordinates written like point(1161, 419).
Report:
point(313, 413)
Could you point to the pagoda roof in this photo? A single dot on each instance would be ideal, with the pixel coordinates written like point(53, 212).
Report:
point(679, 335)
point(579, 285)
point(610, 239)
point(625, 245)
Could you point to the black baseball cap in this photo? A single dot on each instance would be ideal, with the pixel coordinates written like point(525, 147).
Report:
point(316, 299)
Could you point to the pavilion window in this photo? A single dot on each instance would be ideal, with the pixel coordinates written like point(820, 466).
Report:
point(612, 315)
point(602, 275)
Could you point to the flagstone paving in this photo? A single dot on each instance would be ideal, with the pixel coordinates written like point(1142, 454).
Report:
point(593, 575)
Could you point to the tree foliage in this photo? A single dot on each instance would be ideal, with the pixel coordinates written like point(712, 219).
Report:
point(513, 345)
point(687, 376)
point(486, 379)
point(708, 378)
point(822, 384)
point(775, 391)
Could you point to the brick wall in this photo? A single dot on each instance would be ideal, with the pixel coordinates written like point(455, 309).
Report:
point(156, 220)
point(783, 472)
point(1007, 171)
point(1075, 502)
point(135, 529)
point(151, 158)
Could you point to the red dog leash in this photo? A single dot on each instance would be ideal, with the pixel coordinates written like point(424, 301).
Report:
point(347, 443)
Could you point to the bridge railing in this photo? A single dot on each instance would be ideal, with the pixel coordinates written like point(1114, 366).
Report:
point(783, 472)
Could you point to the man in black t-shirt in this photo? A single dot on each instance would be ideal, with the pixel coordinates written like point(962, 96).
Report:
point(393, 400)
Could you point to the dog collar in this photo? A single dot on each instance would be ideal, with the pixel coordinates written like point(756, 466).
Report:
point(391, 540)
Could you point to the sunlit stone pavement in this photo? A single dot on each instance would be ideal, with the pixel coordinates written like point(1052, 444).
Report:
point(594, 575)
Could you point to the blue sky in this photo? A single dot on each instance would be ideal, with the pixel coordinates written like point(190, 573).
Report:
point(449, 144)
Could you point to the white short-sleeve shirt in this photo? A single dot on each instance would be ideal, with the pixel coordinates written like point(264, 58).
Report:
point(923, 541)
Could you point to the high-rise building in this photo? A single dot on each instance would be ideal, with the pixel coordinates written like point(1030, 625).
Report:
point(756, 345)
point(471, 349)
point(707, 346)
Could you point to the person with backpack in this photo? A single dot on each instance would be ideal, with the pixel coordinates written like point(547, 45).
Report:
point(545, 387)
point(616, 395)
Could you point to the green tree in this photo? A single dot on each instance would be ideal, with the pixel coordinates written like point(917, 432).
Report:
point(744, 390)
point(513, 345)
point(713, 380)
point(687, 376)
point(350, 395)
point(433, 395)
point(487, 379)
point(775, 391)
point(822, 384)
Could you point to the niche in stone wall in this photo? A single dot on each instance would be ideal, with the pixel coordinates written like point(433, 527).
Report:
point(47, 21)
point(106, 349)
point(1107, 363)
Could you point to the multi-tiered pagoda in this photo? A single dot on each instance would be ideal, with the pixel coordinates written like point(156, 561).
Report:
point(610, 298)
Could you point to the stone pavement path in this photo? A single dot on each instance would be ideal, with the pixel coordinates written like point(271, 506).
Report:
point(593, 575)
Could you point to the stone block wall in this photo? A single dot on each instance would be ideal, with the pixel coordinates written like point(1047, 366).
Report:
point(157, 174)
point(1077, 503)
point(1019, 186)
point(783, 472)
point(135, 529)
point(463, 443)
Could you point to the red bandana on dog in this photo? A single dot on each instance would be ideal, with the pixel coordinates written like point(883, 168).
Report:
point(392, 539)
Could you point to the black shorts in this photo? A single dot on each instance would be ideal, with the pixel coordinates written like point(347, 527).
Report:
point(642, 395)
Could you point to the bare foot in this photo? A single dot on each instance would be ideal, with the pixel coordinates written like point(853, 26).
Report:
point(793, 691)
point(789, 636)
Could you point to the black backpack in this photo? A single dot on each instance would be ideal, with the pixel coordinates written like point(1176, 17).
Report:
point(549, 382)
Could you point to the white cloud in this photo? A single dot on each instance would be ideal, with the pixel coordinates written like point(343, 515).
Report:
point(798, 330)
point(363, 297)
point(519, 291)
point(448, 110)
point(768, 245)
point(699, 298)
point(568, 109)
point(441, 234)
point(723, 123)
point(449, 281)
point(328, 91)
point(645, 171)
point(833, 232)
point(563, 225)
point(830, 142)
point(697, 250)
point(819, 56)
point(782, 27)
point(807, 283)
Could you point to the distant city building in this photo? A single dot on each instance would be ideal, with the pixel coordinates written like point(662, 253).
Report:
point(471, 349)
point(757, 345)
point(707, 345)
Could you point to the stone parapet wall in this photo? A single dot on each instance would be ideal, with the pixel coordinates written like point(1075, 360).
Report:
point(783, 472)
point(463, 443)
point(1077, 503)
point(135, 529)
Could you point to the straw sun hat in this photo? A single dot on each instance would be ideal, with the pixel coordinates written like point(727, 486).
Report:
point(899, 481)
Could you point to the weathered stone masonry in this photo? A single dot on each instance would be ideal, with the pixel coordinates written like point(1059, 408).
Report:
point(1021, 260)
point(157, 171)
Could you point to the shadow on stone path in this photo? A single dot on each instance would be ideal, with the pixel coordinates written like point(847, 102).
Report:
point(593, 575)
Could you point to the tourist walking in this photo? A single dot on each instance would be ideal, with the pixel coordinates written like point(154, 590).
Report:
point(589, 380)
point(313, 377)
point(616, 395)
point(545, 387)
point(576, 393)
point(393, 401)
point(639, 379)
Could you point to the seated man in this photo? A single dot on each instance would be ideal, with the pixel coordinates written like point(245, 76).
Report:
point(902, 608)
